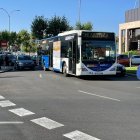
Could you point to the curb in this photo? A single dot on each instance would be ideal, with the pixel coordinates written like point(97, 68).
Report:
point(130, 74)
point(3, 71)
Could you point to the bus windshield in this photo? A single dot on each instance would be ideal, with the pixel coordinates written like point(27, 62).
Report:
point(103, 51)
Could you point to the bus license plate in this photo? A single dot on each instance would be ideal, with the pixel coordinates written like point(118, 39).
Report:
point(98, 73)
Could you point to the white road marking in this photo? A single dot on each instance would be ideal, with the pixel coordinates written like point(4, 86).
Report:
point(6, 103)
point(21, 112)
point(11, 122)
point(77, 135)
point(99, 95)
point(1, 97)
point(40, 75)
point(47, 123)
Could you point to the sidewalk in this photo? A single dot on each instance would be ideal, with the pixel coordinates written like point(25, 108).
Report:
point(6, 69)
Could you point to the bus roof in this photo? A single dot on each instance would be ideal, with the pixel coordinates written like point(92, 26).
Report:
point(52, 37)
point(79, 32)
point(72, 32)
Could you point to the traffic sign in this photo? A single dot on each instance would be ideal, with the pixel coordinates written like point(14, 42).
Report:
point(4, 43)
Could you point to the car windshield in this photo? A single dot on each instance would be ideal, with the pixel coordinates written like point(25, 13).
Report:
point(136, 56)
point(11, 56)
point(123, 56)
point(24, 58)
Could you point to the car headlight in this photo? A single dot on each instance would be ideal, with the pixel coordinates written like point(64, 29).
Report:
point(20, 63)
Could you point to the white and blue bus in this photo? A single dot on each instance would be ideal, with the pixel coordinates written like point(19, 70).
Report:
point(80, 52)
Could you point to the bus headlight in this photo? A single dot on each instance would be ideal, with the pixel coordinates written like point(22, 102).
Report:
point(113, 69)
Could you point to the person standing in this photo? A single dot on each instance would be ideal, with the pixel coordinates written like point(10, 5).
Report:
point(6, 60)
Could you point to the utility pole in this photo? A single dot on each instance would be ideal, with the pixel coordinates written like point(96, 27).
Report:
point(137, 4)
point(9, 19)
point(79, 15)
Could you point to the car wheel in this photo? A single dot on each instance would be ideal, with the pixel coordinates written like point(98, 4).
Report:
point(16, 67)
point(33, 68)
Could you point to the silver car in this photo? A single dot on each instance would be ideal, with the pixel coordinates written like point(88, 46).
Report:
point(135, 59)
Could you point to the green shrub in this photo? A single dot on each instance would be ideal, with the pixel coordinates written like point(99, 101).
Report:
point(131, 70)
point(132, 52)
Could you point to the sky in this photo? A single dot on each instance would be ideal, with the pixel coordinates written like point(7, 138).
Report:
point(105, 15)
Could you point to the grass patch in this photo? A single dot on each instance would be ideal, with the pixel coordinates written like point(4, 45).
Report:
point(131, 70)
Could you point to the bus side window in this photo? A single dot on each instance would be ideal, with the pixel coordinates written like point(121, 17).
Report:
point(64, 49)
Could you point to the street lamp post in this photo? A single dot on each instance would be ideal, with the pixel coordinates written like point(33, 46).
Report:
point(79, 14)
point(9, 16)
point(137, 4)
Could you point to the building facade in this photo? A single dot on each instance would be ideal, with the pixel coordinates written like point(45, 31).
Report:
point(129, 32)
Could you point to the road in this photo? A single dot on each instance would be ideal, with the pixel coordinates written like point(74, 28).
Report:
point(38, 105)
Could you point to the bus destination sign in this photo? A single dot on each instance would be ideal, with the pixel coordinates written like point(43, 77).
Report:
point(98, 35)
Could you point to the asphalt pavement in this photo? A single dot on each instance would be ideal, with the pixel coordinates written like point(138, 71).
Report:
point(38, 105)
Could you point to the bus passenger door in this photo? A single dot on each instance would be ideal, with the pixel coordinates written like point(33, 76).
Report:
point(74, 50)
point(72, 56)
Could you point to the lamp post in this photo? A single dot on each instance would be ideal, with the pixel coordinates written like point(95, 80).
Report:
point(79, 12)
point(137, 4)
point(9, 16)
point(9, 19)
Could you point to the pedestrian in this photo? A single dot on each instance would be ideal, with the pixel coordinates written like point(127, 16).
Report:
point(6, 60)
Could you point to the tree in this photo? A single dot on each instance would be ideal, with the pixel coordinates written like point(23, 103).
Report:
point(13, 38)
point(57, 25)
point(33, 45)
point(5, 35)
point(39, 27)
point(84, 26)
point(23, 38)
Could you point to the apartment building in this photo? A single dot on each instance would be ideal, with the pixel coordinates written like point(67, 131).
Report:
point(129, 32)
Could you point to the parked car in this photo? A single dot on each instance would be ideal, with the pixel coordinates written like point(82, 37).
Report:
point(121, 71)
point(1, 60)
point(10, 59)
point(24, 62)
point(135, 59)
point(123, 59)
